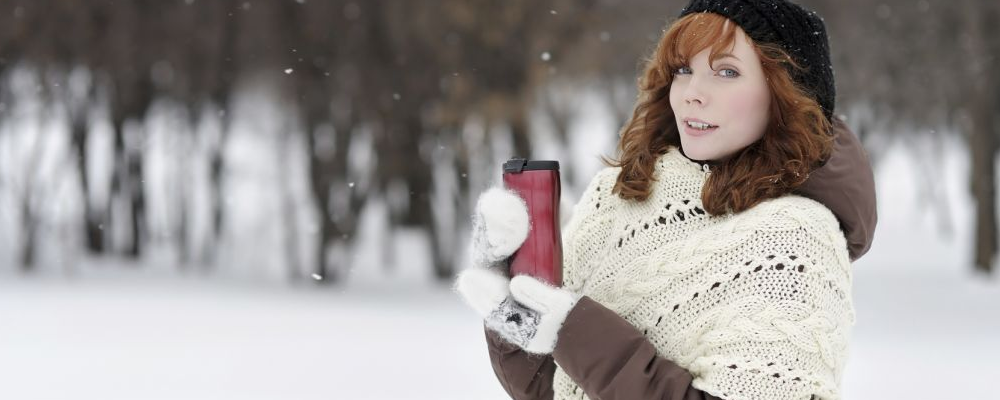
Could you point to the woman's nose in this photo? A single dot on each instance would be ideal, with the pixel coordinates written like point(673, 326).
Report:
point(694, 97)
point(693, 92)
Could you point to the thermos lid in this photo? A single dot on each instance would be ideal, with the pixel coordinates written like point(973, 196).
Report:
point(516, 165)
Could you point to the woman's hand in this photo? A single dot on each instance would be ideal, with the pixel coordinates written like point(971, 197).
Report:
point(499, 227)
point(524, 311)
point(527, 313)
point(543, 308)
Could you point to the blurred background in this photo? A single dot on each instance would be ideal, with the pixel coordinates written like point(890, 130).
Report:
point(214, 199)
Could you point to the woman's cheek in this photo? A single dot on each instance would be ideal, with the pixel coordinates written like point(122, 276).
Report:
point(675, 92)
point(751, 105)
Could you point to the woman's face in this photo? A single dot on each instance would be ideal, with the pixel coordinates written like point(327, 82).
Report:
point(732, 96)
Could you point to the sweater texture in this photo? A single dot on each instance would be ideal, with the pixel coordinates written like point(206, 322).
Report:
point(756, 305)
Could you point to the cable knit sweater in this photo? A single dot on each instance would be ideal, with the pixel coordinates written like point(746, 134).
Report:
point(756, 305)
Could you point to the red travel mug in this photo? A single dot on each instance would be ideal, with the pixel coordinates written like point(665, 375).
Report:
point(537, 182)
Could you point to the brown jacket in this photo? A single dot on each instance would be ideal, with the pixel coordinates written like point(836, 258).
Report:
point(610, 359)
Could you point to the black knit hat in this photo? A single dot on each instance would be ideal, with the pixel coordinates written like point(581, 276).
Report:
point(798, 31)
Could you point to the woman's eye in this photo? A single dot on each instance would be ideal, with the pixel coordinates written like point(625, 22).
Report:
point(732, 73)
point(682, 71)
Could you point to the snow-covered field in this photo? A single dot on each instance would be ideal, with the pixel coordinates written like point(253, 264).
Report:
point(172, 338)
point(927, 328)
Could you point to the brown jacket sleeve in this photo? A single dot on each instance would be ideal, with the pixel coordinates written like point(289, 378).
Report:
point(603, 353)
point(523, 375)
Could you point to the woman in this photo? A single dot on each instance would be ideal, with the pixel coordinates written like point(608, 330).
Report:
point(712, 260)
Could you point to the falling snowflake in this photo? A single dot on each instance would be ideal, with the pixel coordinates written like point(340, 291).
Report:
point(546, 56)
point(288, 71)
point(317, 277)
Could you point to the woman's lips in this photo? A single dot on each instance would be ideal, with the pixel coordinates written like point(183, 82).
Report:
point(698, 132)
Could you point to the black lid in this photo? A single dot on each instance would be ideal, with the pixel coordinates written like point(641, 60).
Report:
point(516, 165)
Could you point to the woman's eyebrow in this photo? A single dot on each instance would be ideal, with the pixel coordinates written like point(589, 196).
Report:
point(726, 55)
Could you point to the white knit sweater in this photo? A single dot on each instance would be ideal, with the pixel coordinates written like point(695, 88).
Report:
point(756, 305)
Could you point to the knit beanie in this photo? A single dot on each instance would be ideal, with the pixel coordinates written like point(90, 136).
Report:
point(798, 31)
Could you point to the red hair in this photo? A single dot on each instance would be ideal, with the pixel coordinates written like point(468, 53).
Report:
point(796, 140)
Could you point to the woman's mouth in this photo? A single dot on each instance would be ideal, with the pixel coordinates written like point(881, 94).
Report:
point(698, 128)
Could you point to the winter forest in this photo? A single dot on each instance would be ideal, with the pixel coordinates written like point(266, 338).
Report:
point(213, 199)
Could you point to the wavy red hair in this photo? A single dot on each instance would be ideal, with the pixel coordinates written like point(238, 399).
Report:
point(796, 140)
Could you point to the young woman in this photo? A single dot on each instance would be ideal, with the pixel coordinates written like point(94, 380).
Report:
point(712, 260)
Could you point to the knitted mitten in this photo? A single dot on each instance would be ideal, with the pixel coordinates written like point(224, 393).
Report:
point(542, 306)
point(499, 226)
point(531, 316)
point(528, 314)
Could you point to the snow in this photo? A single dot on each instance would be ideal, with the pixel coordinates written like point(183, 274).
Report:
point(187, 338)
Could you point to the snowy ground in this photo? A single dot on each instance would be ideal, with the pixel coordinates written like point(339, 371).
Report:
point(927, 328)
point(141, 338)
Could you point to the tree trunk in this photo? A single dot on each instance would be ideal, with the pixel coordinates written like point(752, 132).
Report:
point(983, 146)
point(520, 132)
point(290, 228)
point(983, 141)
point(93, 220)
point(29, 225)
point(137, 197)
point(325, 171)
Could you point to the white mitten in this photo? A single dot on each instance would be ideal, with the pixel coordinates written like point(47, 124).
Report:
point(499, 226)
point(548, 306)
point(487, 292)
point(528, 314)
point(483, 289)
